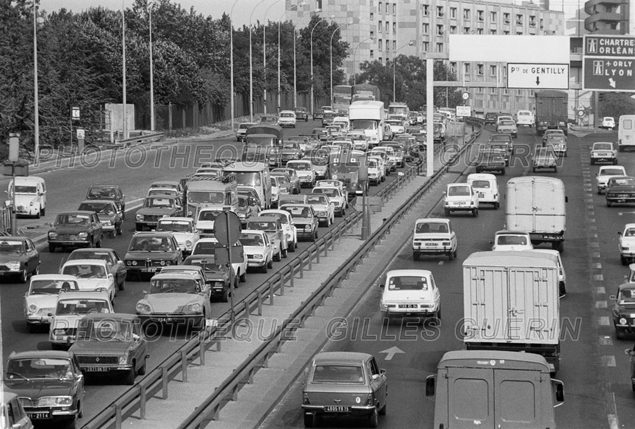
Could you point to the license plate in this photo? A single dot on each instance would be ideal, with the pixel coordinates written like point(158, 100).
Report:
point(39, 416)
point(165, 319)
point(460, 204)
point(481, 195)
point(148, 270)
point(603, 154)
point(337, 409)
point(407, 305)
point(431, 244)
point(96, 369)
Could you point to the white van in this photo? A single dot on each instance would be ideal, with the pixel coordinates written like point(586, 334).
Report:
point(487, 188)
point(30, 196)
point(525, 117)
point(562, 275)
point(626, 132)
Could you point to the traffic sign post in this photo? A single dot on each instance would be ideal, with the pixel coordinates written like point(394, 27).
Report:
point(537, 76)
point(608, 63)
point(227, 229)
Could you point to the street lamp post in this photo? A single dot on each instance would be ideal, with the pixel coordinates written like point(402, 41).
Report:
point(123, 50)
point(354, 58)
point(316, 24)
point(264, 52)
point(251, 68)
point(36, 115)
point(150, 6)
point(394, 62)
point(231, 63)
point(295, 74)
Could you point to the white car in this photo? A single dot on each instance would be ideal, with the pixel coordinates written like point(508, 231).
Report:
point(381, 152)
point(562, 275)
point(323, 207)
point(501, 118)
point(434, 236)
point(183, 230)
point(393, 159)
point(242, 130)
point(486, 187)
point(511, 240)
point(608, 122)
point(606, 172)
point(603, 152)
point(526, 118)
point(288, 227)
point(375, 171)
point(333, 183)
point(397, 126)
point(275, 190)
point(626, 244)
point(41, 298)
point(460, 197)
point(287, 119)
point(258, 249)
point(336, 197)
point(205, 221)
point(272, 226)
point(70, 308)
point(208, 246)
point(92, 275)
point(305, 171)
point(410, 293)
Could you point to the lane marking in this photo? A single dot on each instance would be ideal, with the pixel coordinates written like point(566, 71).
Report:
point(598, 277)
point(606, 341)
point(604, 321)
point(608, 361)
point(600, 304)
point(600, 290)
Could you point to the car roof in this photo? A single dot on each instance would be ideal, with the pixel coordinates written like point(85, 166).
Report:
point(432, 219)
point(261, 218)
point(510, 232)
point(164, 196)
point(15, 237)
point(185, 274)
point(112, 316)
point(83, 212)
point(252, 231)
point(408, 273)
point(179, 218)
point(481, 176)
point(97, 201)
point(32, 354)
point(153, 234)
point(626, 286)
point(272, 211)
point(164, 182)
point(85, 294)
point(85, 262)
point(102, 186)
point(53, 277)
point(340, 357)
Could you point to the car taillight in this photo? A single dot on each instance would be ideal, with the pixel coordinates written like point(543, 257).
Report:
point(305, 399)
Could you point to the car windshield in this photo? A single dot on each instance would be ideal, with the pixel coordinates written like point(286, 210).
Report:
point(102, 193)
point(200, 197)
point(331, 192)
point(51, 368)
point(174, 286)
point(174, 226)
point(11, 246)
point(611, 172)
point(85, 271)
point(262, 226)
point(431, 227)
point(52, 287)
point(25, 189)
point(69, 307)
point(507, 122)
point(408, 283)
point(109, 330)
point(246, 178)
point(160, 191)
point(481, 184)
point(626, 296)
point(206, 247)
point(630, 232)
point(499, 138)
point(363, 124)
point(287, 115)
point(251, 239)
point(348, 374)
point(458, 191)
point(207, 263)
point(300, 166)
point(296, 212)
point(511, 240)
point(159, 203)
point(317, 199)
point(101, 208)
point(627, 181)
point(151, 244)
point(602, 146)
point(72, 219)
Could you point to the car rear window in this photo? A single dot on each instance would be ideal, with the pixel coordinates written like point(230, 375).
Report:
point(338, 374)
point(408, 283)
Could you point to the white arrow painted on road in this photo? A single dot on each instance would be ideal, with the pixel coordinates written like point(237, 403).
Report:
point(391, 352)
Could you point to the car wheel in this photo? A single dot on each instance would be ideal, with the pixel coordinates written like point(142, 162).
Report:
point(113, 234)
point(309, 419)
point(447, 212)
point(98, 244)
point(270, 264)
point(142, 370)
point(285, 253)
point(132, 374)
point(263, 269)
point(277, 257)
point(451, 256)
point(315, 235)
point(533, 169)
point(225, 296)
point(555, 169)
point(615, 162)
point(382, 411)
point(619, 332)
point(562, 288)
point(373, 419)
point(139, 227)
point(292, 246)
point(43, 211)
point(415, 256)
point(475, 212)
point(623, 260)
point(503, 171)
point(243, 277)
point(608, 203)
point(592, 162)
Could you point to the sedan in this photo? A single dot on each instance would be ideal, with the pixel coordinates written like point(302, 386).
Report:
point(92, 275)
point(336, 384)
point(491, 161)
point(41, 298)
point(624, 309)
point(605, 173)
point(620, 190)
point(110, 217)
point(544, 158)
point(18, 258)
point(258, 249)
point(461, 197)
point(507, 127)
point(626, 244)
point(410, 293)
point(603, 152)
point(115, 264)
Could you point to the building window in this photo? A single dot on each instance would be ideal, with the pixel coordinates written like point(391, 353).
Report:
point(466, 30)
point(440, 12)
point(480, 15)
point(541, 23)
point(506, 18)
point(479, 90)
point(466, 14)
point(426, 28)
point(379, 26)
point(372, 16)
point(426, 10)
point(439, 47)
point(492, 90)
point(453, 67)
point(372, 34)
point(452, 29)
point(381, 60)
point(379, 8)
point(318, 4)
point(440, 30)
point(519, 33)
point(492, 71)
point(425, 46)
point(453, 12)
point(492, 16)
point(372, 53)
point(394, 9)
point(492, 32)
point(506, 32)
point(479, 31)
point(504, 71)
point(532, 21)
point(387, 8)
point(394, 45)
point(505, 92)
point(394, 28)
point(380, 44)
point(479, 69)
point(466, 68)
point(519, 92)
point(519, 19)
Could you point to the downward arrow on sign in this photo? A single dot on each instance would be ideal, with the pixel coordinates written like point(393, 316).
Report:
point(537, 80)
point(611, 82)
point(391, 352)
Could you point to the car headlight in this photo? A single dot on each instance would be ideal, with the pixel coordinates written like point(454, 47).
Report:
point(142, 307)
point(259, 256)
point(193, 307)
point(13, 265)
point(123, 360)
point(52, 235)
point(188, 244)
point(55, 401)
point(307, 228)
point(335, 177)
point(32, 308)
point(623, 321)
point(106, 222)
point(139, 217)
point(82, 235)
point(218, 285)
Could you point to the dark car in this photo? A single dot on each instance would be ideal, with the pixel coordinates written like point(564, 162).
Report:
point(109, 215)
point(624, 309)
point(490, 118)
point(108, 192)
point(116, 266)
point(18, 258)
point(111, 344)
point(291, 151)
point(75, 229)
point(327, 118)
point(544, 157)
point(247, 208)
point(156, 207)
point(49, 383)
point(149, 251)
point(217, 275)
point(318, 114)
point(490, 161)
point(301, 114)
point(620, 189)
point(304, 219)
point(291, 176)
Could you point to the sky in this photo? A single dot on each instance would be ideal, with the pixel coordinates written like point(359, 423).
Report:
point(214, 8)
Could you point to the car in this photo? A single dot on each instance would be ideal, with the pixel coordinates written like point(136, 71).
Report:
point(12, 412)
point(605, 173)
point(434, 236)
point(507, 127)
point(603, 152)
point(327, 109)
point(544, 157)
point(110, 345)
point(552, 132)
point(181, 299)
point(209, 246)
point(503, 117)
point(171, 184)
point(183, 230)
point(149, 251)
point(259, 249)
point(318, 114)
point(526, 118)
point(170, 192)
point(490, 118)
point(558, 143)
point(273, 227)
point(217, 276)
point(375, 175)
point(397, 125)
point(460, 197)
point(50, 386)
point(116, 265)
point(323, 207)
point(304, 170)
point(620, 190)
point(398, 152)
point(288, 228)
point(251, 192)
point(290, 151)
point(75, 229)
point(110, 217)
point(305, 220)
point(275, 190)
point(155, 208)
point(333, 183)
point(608, 122)
point(19, 258)
point(92, 275)
point(69, 309)
point(292, 177)
point(359, 139)
point(487, 188)
point(343, 122)
point(268, 119)
point(511, 240)
point(491, 160)
point(241, 131)
point(389, 163)
point(336, 197)
point(626, 244)
point(623, 310)
point(327, 118)
point(335, 131)
point(410, 293)
point(301, 114)
point(247, 208)
point(108, 192)
point(502, 139)
point(40, 299)
point(321, 134)
point(392, 159)
point(287, 118)
point(336, 383)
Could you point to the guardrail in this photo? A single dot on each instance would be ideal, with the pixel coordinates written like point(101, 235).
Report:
point(144, 138)
point(134, 400)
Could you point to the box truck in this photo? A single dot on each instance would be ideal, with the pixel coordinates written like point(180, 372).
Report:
point(368, 116)
point(511, 303)
point(551, 111)
point(536, 204)
point(494, 389)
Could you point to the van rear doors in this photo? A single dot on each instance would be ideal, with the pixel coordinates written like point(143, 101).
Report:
point(626, 132)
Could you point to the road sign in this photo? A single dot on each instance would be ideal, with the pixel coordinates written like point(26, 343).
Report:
point(81, 134)
point(608, 63)
point(75, 113)
point(227, 228)
point(466, 95)
point(537, 76)
point(462, 111)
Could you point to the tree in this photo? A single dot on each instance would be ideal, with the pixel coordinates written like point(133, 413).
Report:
point(616, 104)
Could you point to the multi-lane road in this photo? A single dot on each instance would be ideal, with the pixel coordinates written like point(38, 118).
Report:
point(594, 366)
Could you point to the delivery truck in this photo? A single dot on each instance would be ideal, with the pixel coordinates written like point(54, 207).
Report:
point(536, 204)
point(551, 111)
point(494, 389)
point(511, 303)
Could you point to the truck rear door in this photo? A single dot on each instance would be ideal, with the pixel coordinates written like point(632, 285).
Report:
point(471, 398)
point(488, 304)
point(517, 402)
point(548, 206)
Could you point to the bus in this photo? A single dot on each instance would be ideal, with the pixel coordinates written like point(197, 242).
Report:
point(342, 99)
point(365, 92)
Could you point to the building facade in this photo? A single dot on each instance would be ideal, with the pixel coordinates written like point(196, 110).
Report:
point(381, 30)
point(608, 16)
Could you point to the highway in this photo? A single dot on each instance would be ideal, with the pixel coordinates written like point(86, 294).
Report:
point(594, 367)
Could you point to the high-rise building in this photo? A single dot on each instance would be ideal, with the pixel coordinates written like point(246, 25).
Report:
point(382, 30)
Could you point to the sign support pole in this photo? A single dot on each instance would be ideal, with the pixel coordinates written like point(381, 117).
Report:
point(429, 117)
point(231, 270)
